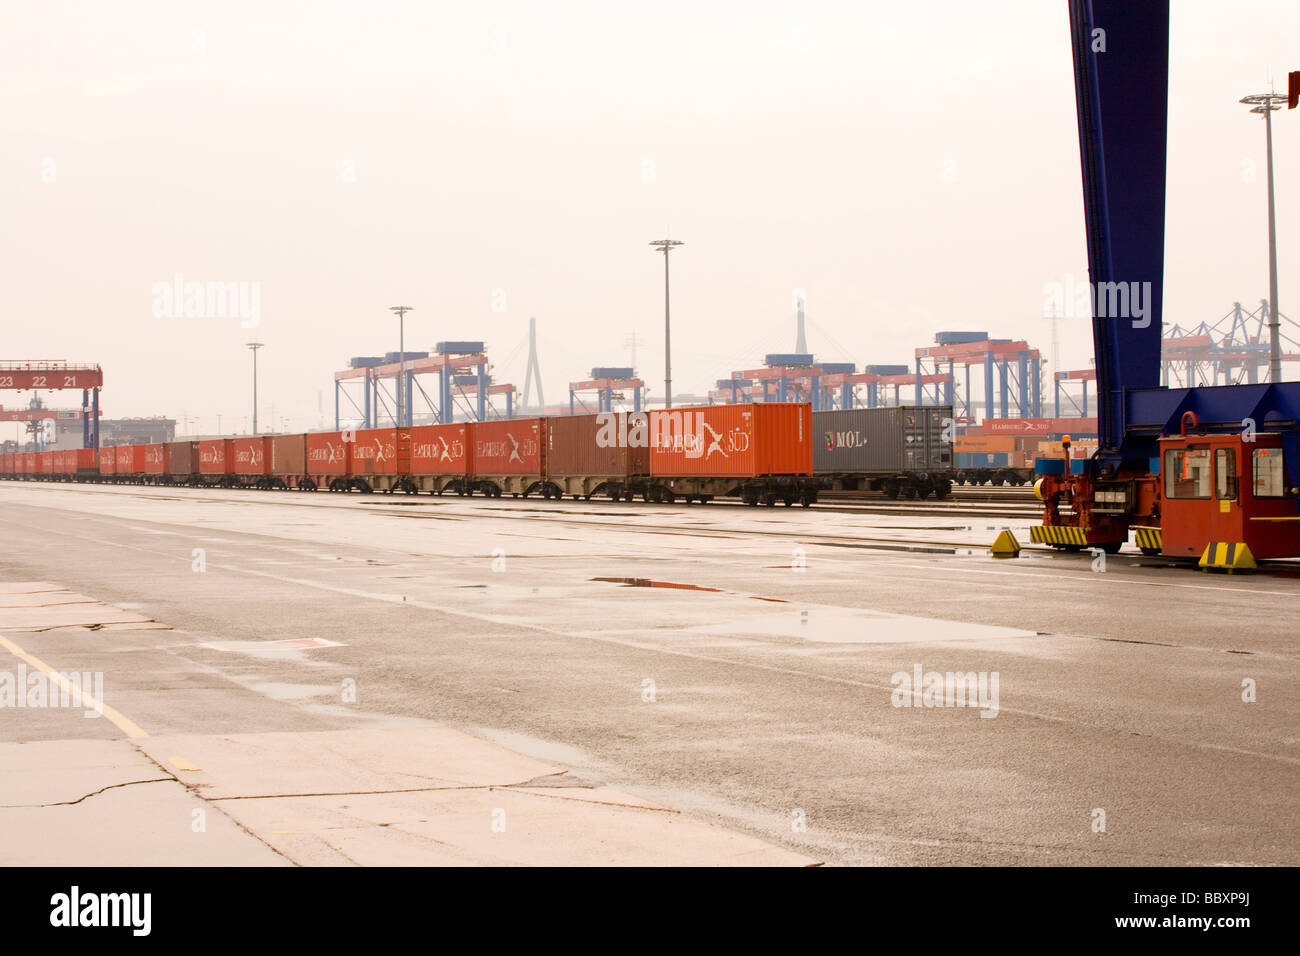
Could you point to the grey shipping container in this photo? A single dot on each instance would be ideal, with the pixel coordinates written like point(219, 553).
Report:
point(898, 439)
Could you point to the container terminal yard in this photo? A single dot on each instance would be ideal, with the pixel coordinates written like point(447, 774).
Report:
point(976, 605)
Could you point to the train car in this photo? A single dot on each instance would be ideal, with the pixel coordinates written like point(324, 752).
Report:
point(440, 458)
point(247, 461)
point(328, 463)
point(182, 463)
point(760, 452)
point(903, 451)
point(591, 454)
point(508, 456)
point(380, 459)
point(213, 455)
point(288, 462)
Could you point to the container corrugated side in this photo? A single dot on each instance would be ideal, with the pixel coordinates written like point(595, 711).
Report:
point(213, 454)
point(439, 450)
point(515, 446)
point(600, 445)
point(155, 459)
point(327, 454)
point(381, 451)
point(85, 459)
point(182, 458)
point(288, 455)
point(732, 440)
point(248, 456)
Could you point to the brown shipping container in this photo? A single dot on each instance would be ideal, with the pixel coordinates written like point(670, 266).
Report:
point(247, 456)
point(514, 446)
point(327, 454)
point(183, 458)
point(212, 456)
point(155, 459)
point(439, 450)
point(381, 451)
point(732, 440)
point(289, 455)
point(983, 444)
point(602, 445)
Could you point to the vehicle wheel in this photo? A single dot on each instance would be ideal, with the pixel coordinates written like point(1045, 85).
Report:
point(892, 489)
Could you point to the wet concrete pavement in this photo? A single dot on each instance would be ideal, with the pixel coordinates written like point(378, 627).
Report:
point(765, 693)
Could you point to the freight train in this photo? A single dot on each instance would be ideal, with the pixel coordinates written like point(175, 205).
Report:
point(760, 453)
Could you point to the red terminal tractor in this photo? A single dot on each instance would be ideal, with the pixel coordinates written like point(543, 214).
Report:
point(1204, 473)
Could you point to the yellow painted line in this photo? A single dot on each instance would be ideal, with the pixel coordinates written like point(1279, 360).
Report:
point(180, 763)
point(1284, 518)
point(124, 724)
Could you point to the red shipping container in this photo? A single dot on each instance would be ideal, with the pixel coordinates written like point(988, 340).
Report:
point(439, 450)
point(45, 462)
point(732, 441)
point(183, 458)
point(381, 451)
point(212, 456)
point(6, 463)
point(513, 446)
point(108, 461)
point(248, 456)
point(327, 454)
point(85, 459)
point(606, 444)
point(155, 459)
point(130, 459)
point(289, 455)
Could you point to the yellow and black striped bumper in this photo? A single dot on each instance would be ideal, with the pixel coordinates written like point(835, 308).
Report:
point(1057, 534)
point(1148, 538)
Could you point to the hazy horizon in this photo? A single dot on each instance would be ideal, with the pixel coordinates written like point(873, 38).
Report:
point(910, 170)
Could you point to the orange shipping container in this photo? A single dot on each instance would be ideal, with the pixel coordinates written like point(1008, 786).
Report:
point(514, 446)
point(439, 450)
point(155, 459)
point(327, 454)
point(247, 456)
point(212, 456)
point(381, 451)
point(130, 459)
point(732, 440)
point(983, 444)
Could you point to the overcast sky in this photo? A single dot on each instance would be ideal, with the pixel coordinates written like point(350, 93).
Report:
point(911, 167)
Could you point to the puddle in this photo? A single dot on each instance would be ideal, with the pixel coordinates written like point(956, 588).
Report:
point(647, 583)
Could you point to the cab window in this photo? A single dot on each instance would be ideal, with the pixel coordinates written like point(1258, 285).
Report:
point(1266, 467)
point(1187, 473)
point(1225, 474)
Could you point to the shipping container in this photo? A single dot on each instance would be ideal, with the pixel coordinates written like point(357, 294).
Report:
point(45, 462)
point(85, 460)
point(896, 439)
point(130, 459)
point(440, 450)
point(380, 451)
point(608, 444)
point(108, 461)
point(212, 456)
point(248, 456)
point(515, 446)
point(969, 460)
point(983, 444)
point(733, 441)
point(327, 454)
point(155, 459)
point(183, 459)
point(289, 456)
